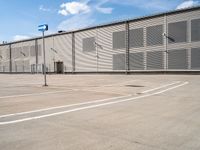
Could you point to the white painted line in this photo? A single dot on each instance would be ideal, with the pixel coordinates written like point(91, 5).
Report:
point(71, 105)
point(171, 88)
point(160, 87)
point(32, 94)
point(64, 106)
point(89, 107)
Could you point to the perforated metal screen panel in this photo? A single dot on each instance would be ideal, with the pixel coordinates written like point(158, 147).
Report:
point(195, 58)
point(177, 59)
point(119, 62)
point(118, 40)
point(136, 38)
point(136, 61)
point(155, 35)
point(195, 30)
point(155, 60)
point(89, 44)
point(177, 32)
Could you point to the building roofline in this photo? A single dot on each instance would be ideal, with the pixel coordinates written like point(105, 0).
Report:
point(110, 24)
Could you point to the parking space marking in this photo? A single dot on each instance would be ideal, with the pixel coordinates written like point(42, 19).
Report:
point(92, 106)
point(150, 90)
point(64, 106)
point(32, 94)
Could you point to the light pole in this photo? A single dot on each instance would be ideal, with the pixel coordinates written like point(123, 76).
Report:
point(43, 28)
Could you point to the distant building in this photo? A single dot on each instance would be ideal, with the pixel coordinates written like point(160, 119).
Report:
point(163, 42)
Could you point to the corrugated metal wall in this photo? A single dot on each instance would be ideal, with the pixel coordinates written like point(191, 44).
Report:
point(108, 52)
point(22, 56)
point(161, 43)
point(4, 58)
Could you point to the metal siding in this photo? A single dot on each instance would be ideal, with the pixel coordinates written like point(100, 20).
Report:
point(195, 30)
point(40, 58)
point(49, 54)
point(5, 61)
point(119, 62)
point(177, 59)
point(177, 32)
point(105, 49)
point(154, 35)
point(63, 44)
point(195, 58)
point(155, 60)
point(89, 44)
point(147, 24)
point(136, 61)
point(102, 58)
point(57, 48)
point(185, 16)
point(21, 63)
point(85, 61)
point(136, 37)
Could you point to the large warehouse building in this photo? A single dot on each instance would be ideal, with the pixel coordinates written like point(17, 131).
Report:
point(163, 42)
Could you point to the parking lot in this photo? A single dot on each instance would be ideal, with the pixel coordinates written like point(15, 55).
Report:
point(98, 112)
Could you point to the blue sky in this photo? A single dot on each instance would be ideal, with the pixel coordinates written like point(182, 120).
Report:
point(20, 18)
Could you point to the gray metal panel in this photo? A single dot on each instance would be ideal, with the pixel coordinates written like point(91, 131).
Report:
point(32, 50)
point(21, 55)
point(89, 44)
point(5, 58)
point(195, 30)
point(35, 48)
point(26, 51)
point(177, 32)
point(136, 38)
point(177, 59)
point(39, 50)
point(119, 39)
point(27, 66)
point(119, 62)
point(195, 58)
point(155, 35)
point(136, 61)
point(155, 60)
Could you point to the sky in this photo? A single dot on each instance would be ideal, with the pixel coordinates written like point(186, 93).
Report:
point(20, 18)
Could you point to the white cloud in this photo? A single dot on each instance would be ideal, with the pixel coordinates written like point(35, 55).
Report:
point(100, 8)
point(42, 8)
point(187, 4)
point(76, 22)
point(20, 37)
point(107, 10)
point(74, 8)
